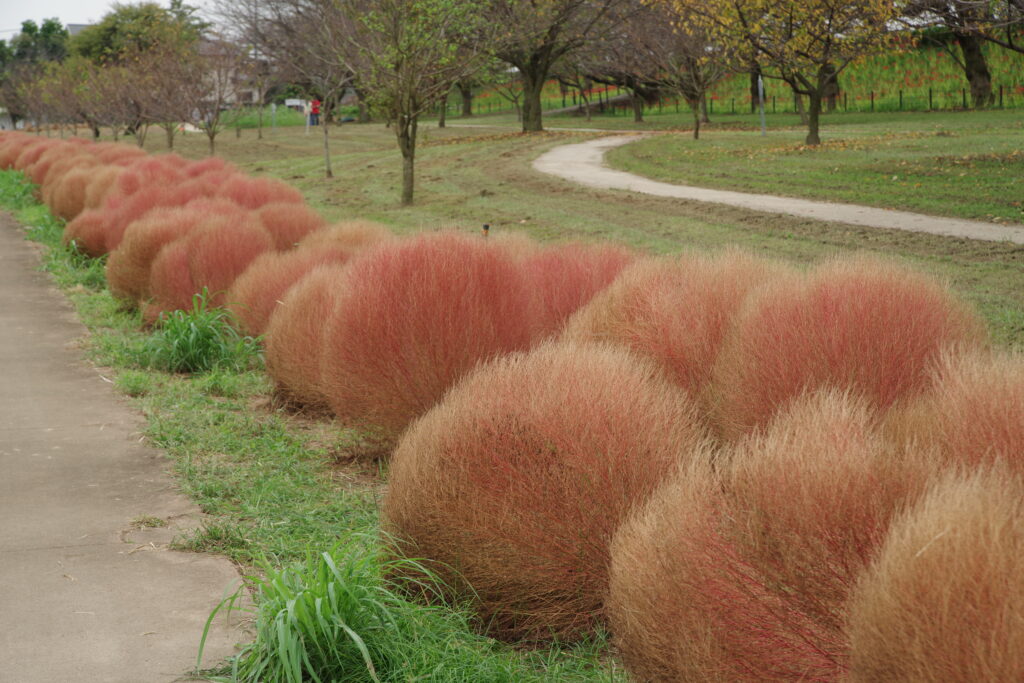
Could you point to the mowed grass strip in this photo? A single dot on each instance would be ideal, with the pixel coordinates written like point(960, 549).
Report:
point(961, 164)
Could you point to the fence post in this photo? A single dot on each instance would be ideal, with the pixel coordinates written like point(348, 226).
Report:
point(901, 100)
point(773, 104)
point(872, 100)
point(929, 99)
point(846, 101)
point(711, 106)
point(734, 102)
point(963, 97)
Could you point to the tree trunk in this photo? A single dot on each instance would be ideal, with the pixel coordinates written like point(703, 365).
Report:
point(442, 118)
point(259, 119)
point(976, 69)
point(695, 107)
point(533, 84)
point(328, 173)
point(798, 106)
point(754, 94)
point(813, 118)
point(405, 129)
point(466, 91)
point(704, 118)
point(213, 149)
point(169, 131)
point(95, 132)
point(638, 107)
point(364, 111)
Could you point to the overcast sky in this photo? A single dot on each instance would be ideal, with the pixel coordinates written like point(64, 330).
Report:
point(13, 12)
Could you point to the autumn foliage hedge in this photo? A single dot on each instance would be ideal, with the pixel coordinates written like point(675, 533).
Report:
point(513, 485)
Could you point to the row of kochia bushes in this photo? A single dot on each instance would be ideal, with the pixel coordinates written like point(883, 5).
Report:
point(742, 470)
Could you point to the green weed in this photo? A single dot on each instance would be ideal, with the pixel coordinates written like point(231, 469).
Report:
point(134, 382)
point(336, 617)
point(200, 340)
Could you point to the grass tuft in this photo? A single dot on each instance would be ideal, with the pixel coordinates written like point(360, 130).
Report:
point(200, 340)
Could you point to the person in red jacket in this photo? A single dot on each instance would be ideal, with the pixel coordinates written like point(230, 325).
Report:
point(314, 112)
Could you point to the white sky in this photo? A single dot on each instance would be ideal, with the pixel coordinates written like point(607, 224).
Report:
point(13, 12)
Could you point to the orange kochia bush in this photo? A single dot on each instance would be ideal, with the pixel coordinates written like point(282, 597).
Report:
point(744, 572)
point(414, 316)
point(943, 600)
point(513, 485)
point(675, 310)
point(863, 324)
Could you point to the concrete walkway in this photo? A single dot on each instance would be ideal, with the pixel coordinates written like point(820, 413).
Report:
point(584, 163)
point(87, 596)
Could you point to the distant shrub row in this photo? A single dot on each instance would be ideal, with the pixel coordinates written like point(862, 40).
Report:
point(744, 471)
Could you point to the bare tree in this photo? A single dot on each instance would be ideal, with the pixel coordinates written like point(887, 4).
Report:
point(536, 34)
point(213, 87)
point(409, 54)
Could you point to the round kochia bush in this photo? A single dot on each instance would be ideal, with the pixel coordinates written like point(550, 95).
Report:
point(943, 601)
point(863, 324)
point(414, 316)
point(674, 310)
point(744, 573)
point(512, 487)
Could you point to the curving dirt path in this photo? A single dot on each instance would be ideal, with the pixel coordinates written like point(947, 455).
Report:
point(584, 163)
point(92, 591)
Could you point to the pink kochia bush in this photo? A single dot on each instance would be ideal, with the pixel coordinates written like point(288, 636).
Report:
point(288, 222)
point(512, 487)
point(414, 316)
point(744, 573)
point(252, 193)
point(863, 324)
point(943, 600)
point(258, 291)
point(294, 339)
point(675, 310)
point(974, 412)
point(565, 277)
point(128, 268)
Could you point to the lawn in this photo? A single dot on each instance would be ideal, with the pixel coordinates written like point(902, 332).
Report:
point(960, 164)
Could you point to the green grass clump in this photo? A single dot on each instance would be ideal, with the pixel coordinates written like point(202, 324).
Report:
point(200, 340)
point(337, 617)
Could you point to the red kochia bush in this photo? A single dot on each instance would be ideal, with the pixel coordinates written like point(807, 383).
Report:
point(128, 268)
point(30, 153)
point(974, 412)
point(567, 276)
point(66, 193)
point(674, 310)
point(220, 250)
point(864, 324)
point(512, 487)
point(38, 171)
point(252, 193)
point(354, 235)
point(943, 601)
point(747, 578)
point(294, 338)
point(416, 315)
point(289, 222)
point(101, 184)
point(258, 291)
point(12, 145)
point(171, 286)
